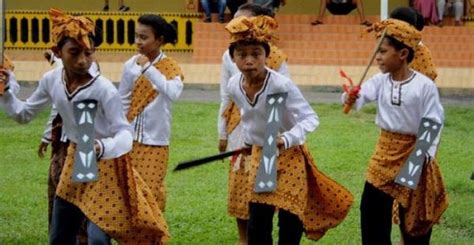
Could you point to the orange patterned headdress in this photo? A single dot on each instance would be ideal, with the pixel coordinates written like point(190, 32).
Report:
point(260, 28)
point(77, 27)
point(400, 30)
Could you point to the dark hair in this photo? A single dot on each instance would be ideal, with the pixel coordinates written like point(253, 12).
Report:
point(65, 39)
point(409, 15)
point(399, 46)
point(160, 27)
point(256, 9)
point(241, 43)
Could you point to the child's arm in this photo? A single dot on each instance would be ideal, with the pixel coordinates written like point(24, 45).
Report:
point(24, 111)
point(49, 126)
point(171, 88)
point(367, 93)
point(306, 119)
point(13, 85)
point(125, 88)
point(434, 111)
point(225, 99)
point(121, 141)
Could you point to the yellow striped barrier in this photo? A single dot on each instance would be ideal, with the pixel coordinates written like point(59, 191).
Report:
point(28, 30)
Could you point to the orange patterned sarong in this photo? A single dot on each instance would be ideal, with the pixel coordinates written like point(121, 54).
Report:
point(120, 202)
point(425, 205)
point(318, 201)
point(240, 189)
point(151, 162)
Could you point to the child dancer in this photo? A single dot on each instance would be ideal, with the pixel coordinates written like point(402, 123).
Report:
point(403, 98)
point(307, 200)
point(118, 203)
point(150, 83)
point(229, 128)
point(55, 135)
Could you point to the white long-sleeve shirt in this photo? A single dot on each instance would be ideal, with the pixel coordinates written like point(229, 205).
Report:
point(228, 69)
point(94, 71)
point(153, 125)
point(112, 130)
point(298, 118)
point(402, 104)
point(12, 84)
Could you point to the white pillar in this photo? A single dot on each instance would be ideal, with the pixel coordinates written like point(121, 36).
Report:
point(383, 9)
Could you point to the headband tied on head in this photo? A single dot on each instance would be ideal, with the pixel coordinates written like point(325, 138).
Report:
point(259, 28)
point(399, 30)
point(76, 27)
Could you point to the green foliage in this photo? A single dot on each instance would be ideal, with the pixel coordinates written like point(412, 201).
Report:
point(196, 209)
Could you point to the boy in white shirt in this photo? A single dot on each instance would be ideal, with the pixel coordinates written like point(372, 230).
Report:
point(403, 97)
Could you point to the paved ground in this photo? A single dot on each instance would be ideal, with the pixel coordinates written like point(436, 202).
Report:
point(210, 93)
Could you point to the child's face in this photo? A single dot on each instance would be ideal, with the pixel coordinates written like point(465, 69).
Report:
point(76, 58)
point(250, 59)
point(146, 41)
point(389, 59)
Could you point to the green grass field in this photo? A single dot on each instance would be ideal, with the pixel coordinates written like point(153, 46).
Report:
point(196, 207)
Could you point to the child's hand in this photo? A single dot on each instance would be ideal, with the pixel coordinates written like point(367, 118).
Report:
point(222, 145)
point(352, 95)
point(142, 60)
point(4, 75)
point(42, 148)
point(97, 149)
point(280, 144)
point(48, 55)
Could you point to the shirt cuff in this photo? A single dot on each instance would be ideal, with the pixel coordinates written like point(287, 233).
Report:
point(45, 140)
point(286, 142)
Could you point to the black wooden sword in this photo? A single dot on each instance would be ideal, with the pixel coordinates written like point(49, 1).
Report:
point(204, 160)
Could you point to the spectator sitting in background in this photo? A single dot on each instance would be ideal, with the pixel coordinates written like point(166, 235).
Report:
point(427, 8)
point(233, 5)
point(277, 3)
point(456, 6)
point(122, 7)
point(206, 5)
point(341, 7)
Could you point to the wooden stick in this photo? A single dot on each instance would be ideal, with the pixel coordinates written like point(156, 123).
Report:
point(348, 106)
point(204, 160)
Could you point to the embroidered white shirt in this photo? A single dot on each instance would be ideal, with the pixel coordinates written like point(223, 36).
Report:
point(228, 69)
point(112, 130)
point(153, 125)
point(298, 118)
point(402, 104)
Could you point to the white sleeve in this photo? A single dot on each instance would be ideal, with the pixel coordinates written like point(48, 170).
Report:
point(306, 119)
point(171, 88)
point(125, 89)
point(25, 111)
point(368, 92)
point(13, 85)
point(283, 70)
point(122, 141)
point(433, 110)
point(47, 137)
point(225, 99)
